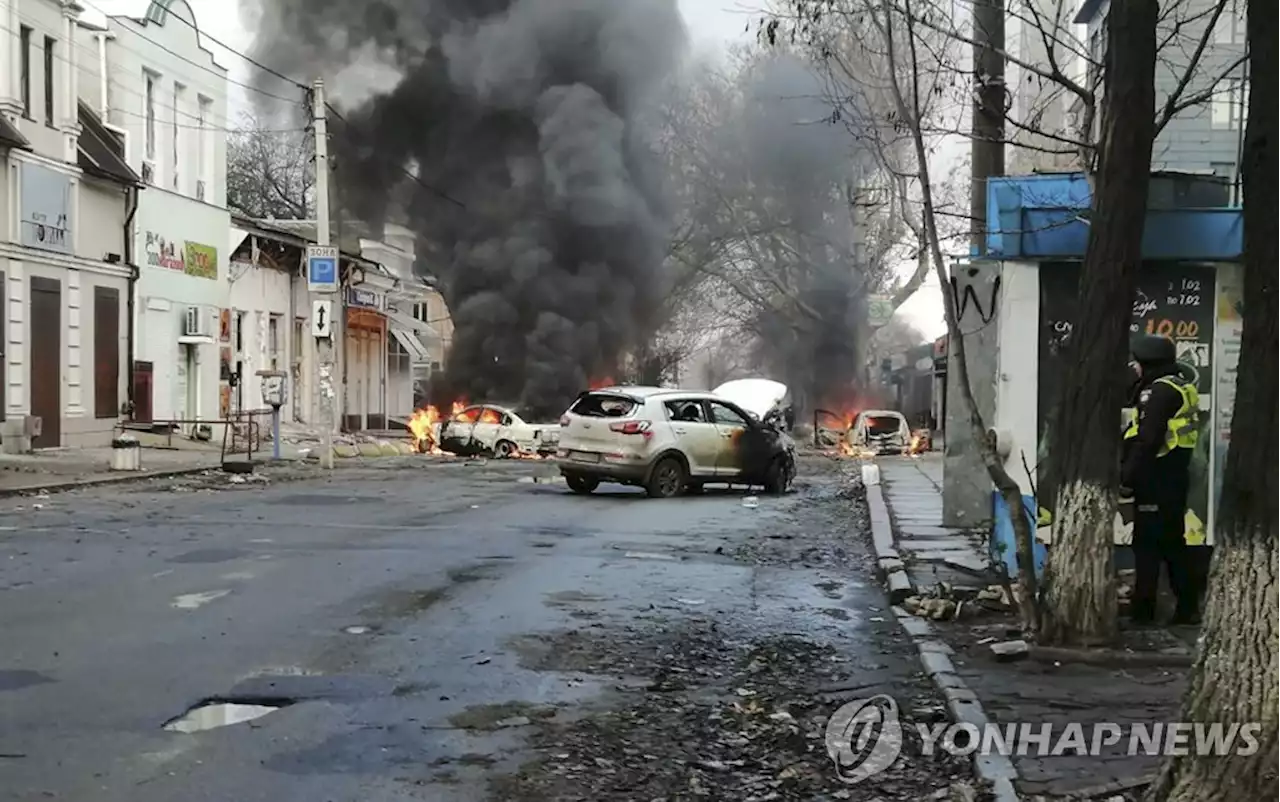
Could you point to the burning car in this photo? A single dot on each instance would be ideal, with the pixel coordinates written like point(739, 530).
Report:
point(881, 431)
point(494, 430)
point(489, 430)
point(672, 441)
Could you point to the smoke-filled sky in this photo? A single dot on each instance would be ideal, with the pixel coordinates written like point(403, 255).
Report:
point(713, 25)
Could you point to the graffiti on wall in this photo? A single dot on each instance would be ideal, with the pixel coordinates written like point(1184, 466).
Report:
point(971, 298)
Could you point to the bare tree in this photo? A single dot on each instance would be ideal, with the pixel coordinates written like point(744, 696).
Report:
point(1234, 678)
point(270, 171)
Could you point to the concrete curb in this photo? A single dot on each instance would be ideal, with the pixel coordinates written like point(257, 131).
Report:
point(962, 702)
point(935, 655)
point(98, 481)
point(372, 450)
point(889, 562)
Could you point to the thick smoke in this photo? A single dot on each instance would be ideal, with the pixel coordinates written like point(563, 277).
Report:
point(524, 112)
point(805, 162)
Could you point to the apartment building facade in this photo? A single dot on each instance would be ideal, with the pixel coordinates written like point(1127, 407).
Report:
point(153, 80)
point(66, 195)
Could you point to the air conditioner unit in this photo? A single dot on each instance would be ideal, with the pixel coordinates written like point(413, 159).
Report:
point(148, 173)
point(193, 323)
point(200, 190)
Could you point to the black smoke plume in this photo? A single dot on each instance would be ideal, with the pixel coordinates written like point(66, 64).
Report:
point(536, 201)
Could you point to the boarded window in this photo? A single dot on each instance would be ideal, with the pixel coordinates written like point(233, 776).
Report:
point(106, 352)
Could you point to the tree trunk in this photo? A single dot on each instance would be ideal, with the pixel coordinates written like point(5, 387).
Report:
point(1080, 598)
point(1234, 679)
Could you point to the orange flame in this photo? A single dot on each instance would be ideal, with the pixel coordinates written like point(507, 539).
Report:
point(597, 384)
point(422, 426)
point(490, 416)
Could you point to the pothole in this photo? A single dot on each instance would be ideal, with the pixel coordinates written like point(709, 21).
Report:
point(215, 713)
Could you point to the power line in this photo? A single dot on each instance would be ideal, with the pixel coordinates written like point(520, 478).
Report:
point(207, 69)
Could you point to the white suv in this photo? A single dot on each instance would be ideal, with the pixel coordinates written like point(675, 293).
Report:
point(669, 441)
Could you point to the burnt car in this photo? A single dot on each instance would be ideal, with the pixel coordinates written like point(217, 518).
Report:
point(493, 430)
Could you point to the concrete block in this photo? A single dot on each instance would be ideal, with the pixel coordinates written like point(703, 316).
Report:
point(967, 711)
point(369, 450)
point(890, 564)
point(931, 645)
point(915, 626)
point(388, 448)
point(1010, 650)
point(899, 586)
point(345, 450)
point(958, 692)
point(404, 448)
point(936, 663)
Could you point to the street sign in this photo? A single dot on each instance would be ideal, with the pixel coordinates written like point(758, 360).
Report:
point(879, 310)
point(322, 319)
point(322, 268)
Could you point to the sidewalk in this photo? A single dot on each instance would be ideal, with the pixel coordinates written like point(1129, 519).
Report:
point(1143, 685)
point(58, 469)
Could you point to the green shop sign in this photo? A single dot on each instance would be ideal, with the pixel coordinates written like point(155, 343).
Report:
point(193, 259)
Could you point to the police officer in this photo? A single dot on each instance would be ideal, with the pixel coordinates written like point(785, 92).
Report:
point(1158, 446)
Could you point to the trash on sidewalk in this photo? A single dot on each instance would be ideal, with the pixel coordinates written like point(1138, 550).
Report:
point(1010, 650)
point(750, 502)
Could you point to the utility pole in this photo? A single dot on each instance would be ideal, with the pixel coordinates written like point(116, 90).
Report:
point(324, 344)
point(987, 140)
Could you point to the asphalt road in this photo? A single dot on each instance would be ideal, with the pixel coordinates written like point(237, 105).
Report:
point(392, 607)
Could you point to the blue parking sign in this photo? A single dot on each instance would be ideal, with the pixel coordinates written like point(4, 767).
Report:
point(322, 268)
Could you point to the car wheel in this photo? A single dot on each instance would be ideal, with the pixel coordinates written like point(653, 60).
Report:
point(777, 477)
point(582, 484)
point(505, 449)
point(667, 479)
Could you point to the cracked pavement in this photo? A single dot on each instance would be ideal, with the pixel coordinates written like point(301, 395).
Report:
point(444, 631)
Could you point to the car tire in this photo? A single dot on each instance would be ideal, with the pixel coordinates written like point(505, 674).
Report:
point(582, 485)
point(505, 449)
point(777, 477)
point(667, 479)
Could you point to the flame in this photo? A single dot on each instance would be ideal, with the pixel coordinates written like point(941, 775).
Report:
point(490, 416)
point(422, 426)
point(597, 384)
point(921, 441)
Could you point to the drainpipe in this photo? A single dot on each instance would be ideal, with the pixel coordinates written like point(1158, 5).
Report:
point(131, 201)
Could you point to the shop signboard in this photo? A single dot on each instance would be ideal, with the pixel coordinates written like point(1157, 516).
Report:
point(1173, 300)
point(190, 258)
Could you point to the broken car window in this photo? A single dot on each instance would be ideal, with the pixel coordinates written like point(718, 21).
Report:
point(685, 411)
point(595, 405)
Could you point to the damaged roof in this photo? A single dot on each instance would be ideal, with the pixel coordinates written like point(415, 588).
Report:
point(298, 233)
point(100, 152)
point(10, 136)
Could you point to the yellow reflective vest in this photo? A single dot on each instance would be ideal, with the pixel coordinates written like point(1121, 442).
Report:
point(1184, 426)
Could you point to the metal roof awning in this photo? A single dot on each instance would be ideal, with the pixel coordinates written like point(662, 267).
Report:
point(411, 323)
point(410, 342)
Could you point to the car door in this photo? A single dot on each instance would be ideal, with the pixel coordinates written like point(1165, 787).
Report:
point(697, 438)
point(730, 425)
point(487, 427)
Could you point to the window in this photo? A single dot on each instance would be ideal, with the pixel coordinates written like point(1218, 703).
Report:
point(685, 411)
point(1229, 104)
point(726, 416)
point(175, 179)
point(150, 79)
point(273, 340)
point(25, 43)
point(48, 80)
point(1230, 29)
point(204, 113)
point(239, 332)
point(299, 327)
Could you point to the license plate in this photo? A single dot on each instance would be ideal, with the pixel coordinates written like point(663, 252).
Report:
point(584, 456)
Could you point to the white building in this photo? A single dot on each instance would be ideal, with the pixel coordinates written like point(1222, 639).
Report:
point(151, 78)
point(66, 195)
point(1035, 102)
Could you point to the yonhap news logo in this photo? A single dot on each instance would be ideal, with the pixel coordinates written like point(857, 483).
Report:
point(864, 737)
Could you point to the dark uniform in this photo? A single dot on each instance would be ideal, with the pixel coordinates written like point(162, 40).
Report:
point(1157, 459)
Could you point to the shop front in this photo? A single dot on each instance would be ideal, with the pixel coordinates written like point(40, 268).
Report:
point(364, 362)
point(182, 368)
point(1187, 291)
